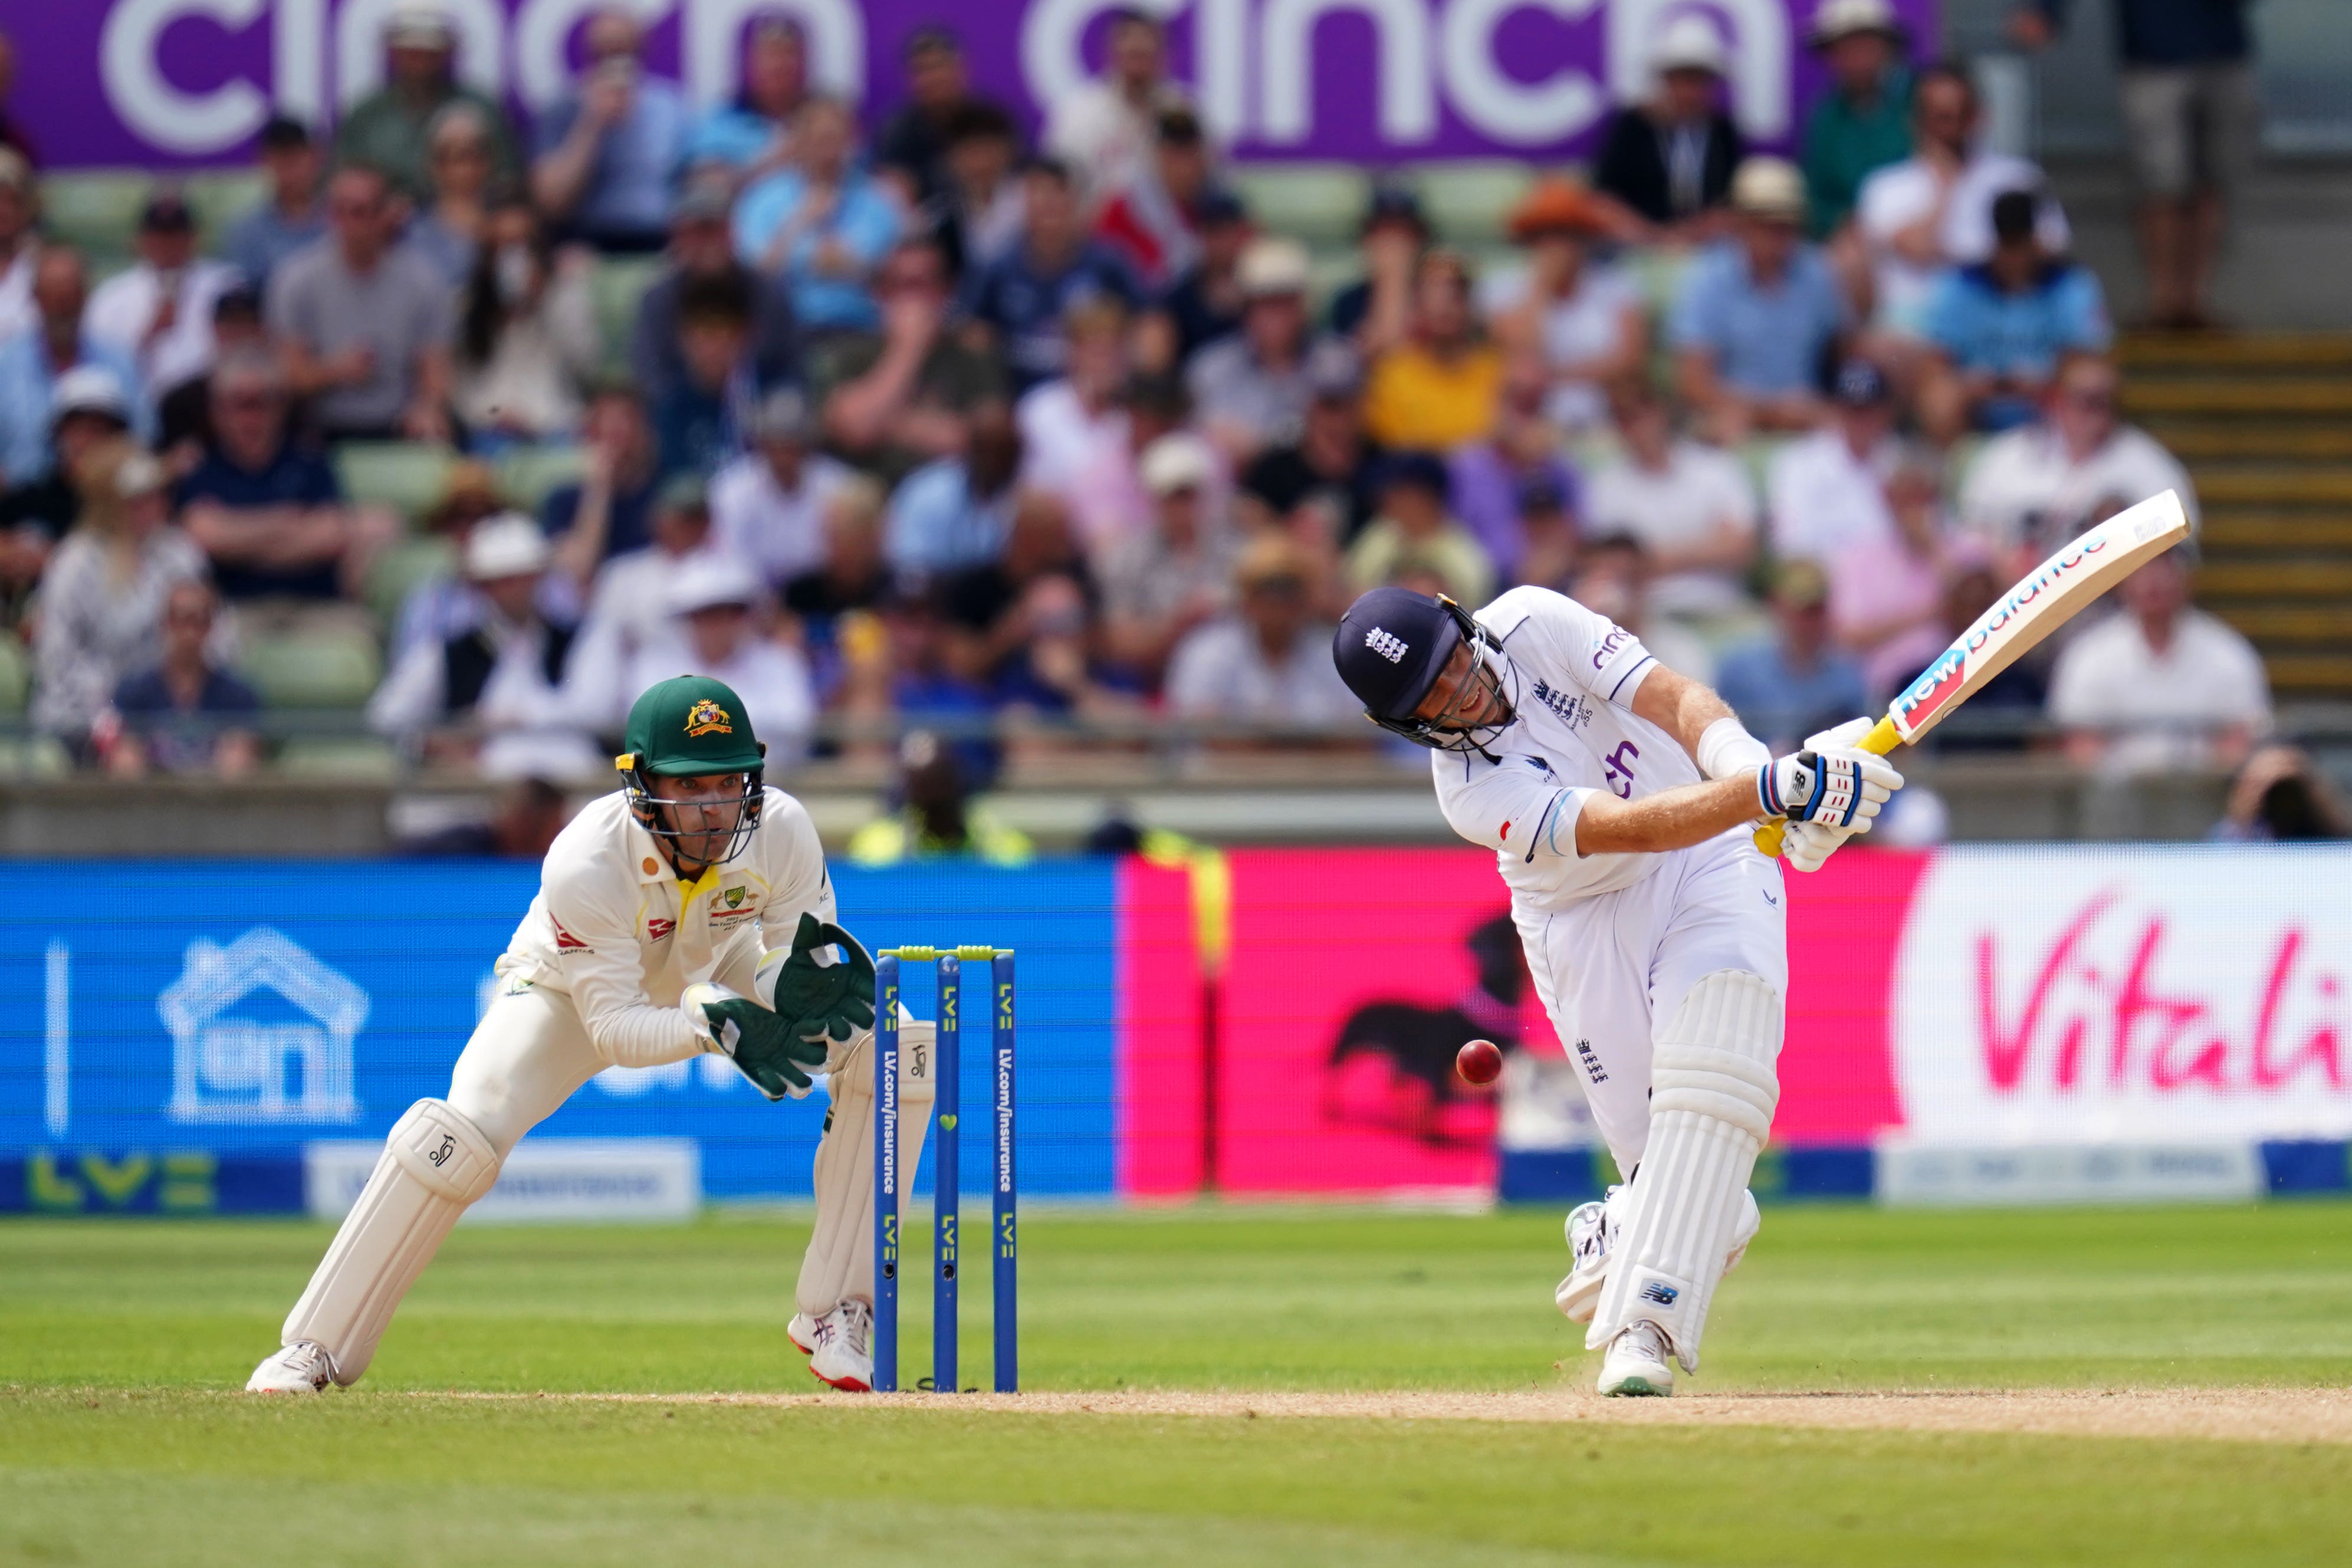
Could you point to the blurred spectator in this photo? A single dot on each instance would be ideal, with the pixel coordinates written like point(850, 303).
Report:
point(852, 575)
point(1436, 387)
point(936, 815)
point(522, 827)
point(716, 634)
point(269, 511)
point(527, 336)
point(184, 416)
point(1416, 532)
point(159, 311)
point(768, 506)
point(18, 244)
point(2000, 328)
point(448, 229)
point(1665, 162)
point(2281, 797)
point(1934, 209)
point(1491, 476)
point(1269, 663)
point(1549, 541)
point(1826, 492)
point(445, 603)
point(1018, 301)
point(385, 131)
point(1377, 309)
point(1690, 506)
point(1206, 303)
point(2034, 488)
point(1614, 575)
point(2193, 110)
point(1588, 322)
point(699, 420)
point(1106, 496)
point(492, 696)
point(14, 137)
point(1103, 130)
point(821, 222)
point(2002, 711)
point(1758, 314)
point(1072, 423)
point(185, 714)
point(88, 410)
point(1249, 391)
point(365, 325)
point(1798, 680)
point(289, 215)
point(607, 149)
point(35, 360)
point(102, 611)
point(980, 207)
point(753, 134)
point(955, 512)
point(1863, 123)
point(702, 246)
point(893, 400)
point(2161, 686)
point(912, 147)
point(1887, 592)
point(629, 607)
point(1035, 592)
point(1155, 221)
point(609, 510)
point(1326, 486)
point(1162, 582)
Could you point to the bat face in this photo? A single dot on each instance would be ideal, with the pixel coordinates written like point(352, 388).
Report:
point(2037, 604)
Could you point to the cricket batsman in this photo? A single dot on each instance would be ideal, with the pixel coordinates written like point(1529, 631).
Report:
point(688, 912)
point(1619, 798)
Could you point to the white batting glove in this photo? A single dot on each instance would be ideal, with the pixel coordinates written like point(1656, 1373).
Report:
point(1840, 787)
point(1806, 846)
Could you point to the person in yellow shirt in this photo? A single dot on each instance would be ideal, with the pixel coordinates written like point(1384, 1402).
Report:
point(1436, 387)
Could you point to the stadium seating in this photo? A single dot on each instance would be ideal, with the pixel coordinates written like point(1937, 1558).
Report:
point(406, 475)
point(324, 668)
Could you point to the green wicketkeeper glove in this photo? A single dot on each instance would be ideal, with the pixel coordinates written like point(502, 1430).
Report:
point(763, 1047)
point(824, 1001)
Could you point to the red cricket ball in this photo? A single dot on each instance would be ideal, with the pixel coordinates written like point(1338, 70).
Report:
point(1479, 1061)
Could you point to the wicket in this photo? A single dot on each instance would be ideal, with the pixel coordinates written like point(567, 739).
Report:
point(888, 1183)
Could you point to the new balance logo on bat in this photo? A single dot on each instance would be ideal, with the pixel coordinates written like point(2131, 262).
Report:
point(1386, 645)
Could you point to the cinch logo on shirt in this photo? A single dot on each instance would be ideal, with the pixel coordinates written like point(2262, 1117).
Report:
point(1386, 645)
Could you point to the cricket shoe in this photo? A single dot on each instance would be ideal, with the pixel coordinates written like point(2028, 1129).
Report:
point(299, 1368)
point(1640, 1361)
point(802, 1331)
point(1592, 1232)
point(840, 1357)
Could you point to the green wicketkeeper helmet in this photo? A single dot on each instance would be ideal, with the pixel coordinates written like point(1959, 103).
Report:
point(688, 726)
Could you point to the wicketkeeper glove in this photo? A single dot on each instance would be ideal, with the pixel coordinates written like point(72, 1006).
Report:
point(1840, 786)
point(762, 1046)
point(824, 1001)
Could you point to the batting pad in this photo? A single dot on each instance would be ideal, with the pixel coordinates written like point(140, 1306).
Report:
point(840, 1260)
point(434, 1165)
point(1712, 1089)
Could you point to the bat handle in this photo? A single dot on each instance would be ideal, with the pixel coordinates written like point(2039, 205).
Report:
point(1883, 738)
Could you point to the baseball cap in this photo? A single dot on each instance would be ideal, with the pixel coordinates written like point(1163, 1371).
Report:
point(1842, 18)
point(1689, 43)
point(238, 302)
point(1768, 188)
point(1391, 647)
point(419, 25)
point(683, 492)
point(1394, 203)
point(1333, 372)
point(1220, 204)
point(1861, 384)
point(784, 415)
point(1177, 461)
point(166, 212)
point(283, 133)
point(89, 389)
point(710, 582)
point(1273, 267)
point(507, 545)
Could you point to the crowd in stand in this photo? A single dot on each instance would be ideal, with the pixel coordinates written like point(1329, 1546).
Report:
point(931, 421)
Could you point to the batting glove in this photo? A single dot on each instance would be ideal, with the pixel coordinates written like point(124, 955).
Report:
point(1840, 787)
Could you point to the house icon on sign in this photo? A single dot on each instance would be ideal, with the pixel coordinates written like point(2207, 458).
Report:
point(230, 1065)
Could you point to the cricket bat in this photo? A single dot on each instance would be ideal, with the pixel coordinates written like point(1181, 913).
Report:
point(2036, 605)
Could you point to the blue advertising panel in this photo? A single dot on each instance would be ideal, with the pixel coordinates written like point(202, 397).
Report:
point(239, 1011)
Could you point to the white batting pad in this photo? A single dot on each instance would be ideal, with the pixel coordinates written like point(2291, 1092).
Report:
point(1712, 1089)
point(839, 1263)
point(434, 1165)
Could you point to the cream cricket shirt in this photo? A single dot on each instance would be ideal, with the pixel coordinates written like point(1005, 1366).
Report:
point(615, 929)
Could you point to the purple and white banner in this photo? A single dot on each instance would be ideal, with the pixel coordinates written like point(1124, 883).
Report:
point(188, 82)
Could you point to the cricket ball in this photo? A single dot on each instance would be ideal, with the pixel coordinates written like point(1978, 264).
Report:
point(1479, 1061)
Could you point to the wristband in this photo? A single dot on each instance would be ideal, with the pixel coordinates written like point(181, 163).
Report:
point(1726, 751)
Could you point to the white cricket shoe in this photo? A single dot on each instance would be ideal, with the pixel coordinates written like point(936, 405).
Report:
point(802, 1331)
point(1593, 1231)
point(840, 1357)
point(299, 1368)
point(1640, 1361)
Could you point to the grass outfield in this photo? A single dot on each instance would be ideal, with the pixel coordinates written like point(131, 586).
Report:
point(119, 1446)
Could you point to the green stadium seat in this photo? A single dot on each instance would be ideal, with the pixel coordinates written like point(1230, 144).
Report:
point(24, 757)
point(1322, 204)
point(616, 284)
point(95, 210)
point(398, 571)
point(1469, 199)
point(350, 758)
point(16, 674)
point(526, 474)
point(314, 669)
point(404, 475)
point(219, 197)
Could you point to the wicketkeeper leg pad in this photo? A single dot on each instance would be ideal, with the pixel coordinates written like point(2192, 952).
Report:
point(840, 1260)
point(434, 1165)
point(1714, 1087)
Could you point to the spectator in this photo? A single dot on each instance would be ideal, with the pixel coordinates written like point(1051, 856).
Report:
point(752, 135)
point(522, 827)
point(184, 417)
point(1826, 492)
point(527, 337)
point(1071, 423)
point(768, 506)
point(822, 222)
point(445, 603)
point(1269, 663)
point(88, 410)
point(901, 398)
point(1666, 162)
point(1798, 680)
point(1106, 496)
point(1038, 590)
point(608, 148)
point(1376, 311)
point(35, 360)
point(1863, 123)
point(702, 246)
point(715, 634)
point(185, 714)
point(699, 421)
point(2281, 797)
point(364, 325)
point(1613, 580)
point(458, 162)
point(102, 598)
point(1414, 532)
point(1326, 486)
point(268, 512)
point(492, 696)
point(955, 512)
point(609, 510)
point(2161, 686)
point(853, 576)
point(2000, 328)
point(1548, 533)
point(1207, 301)
point(1435, 389)
point(936, 816)
point(981, 208)
point(1250, 389)
point(1934, 209)
point(1491, 476)
point(1758, 314)
point(291, 215)
point(2034, 488)
point(1162, 582)
point(1016, 304)
point(18, 244)
point(1102, 130)
point(913, 146)
point(14, 137)
point(159, 310)
point(1155, 221)
point(1589, 323)
point(1887, 592)
point(385, 131)
point(629, 607)
point(1689, 505)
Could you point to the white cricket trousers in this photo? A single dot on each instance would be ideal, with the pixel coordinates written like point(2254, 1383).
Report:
point(526, 1058)
point(1611, 966)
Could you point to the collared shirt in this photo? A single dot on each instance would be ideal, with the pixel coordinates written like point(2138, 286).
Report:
point(628, 189)
point(2028, 491)
point(2160, 707)
point(1983, 327)
point(1821, 497)
point(936, 525)
point(1780, 702)
point(1699, 489)
point(263, 237)
point(1220, 671)
point(27, 381)
point(1845, 143)
point(1767, 340)
point(292, 477)
point(400, 308)
point(864, 221)
point(780, 532)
